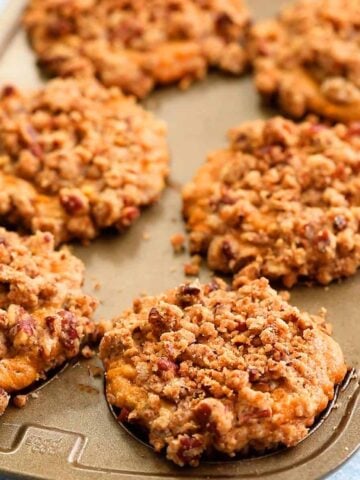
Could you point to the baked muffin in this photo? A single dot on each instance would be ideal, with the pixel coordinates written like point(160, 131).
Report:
point(281, 201)
point(308, 59)
point(206, 369)
point(77, 158)
point(45, 317)
point(138, 44)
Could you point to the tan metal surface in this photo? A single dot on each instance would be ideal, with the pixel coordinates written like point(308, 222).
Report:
point(68, 431)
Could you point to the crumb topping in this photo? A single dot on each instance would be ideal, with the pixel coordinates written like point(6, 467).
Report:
point(177, 241)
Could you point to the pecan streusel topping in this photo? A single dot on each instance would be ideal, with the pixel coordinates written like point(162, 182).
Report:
point(77, 158)
point(205, 368)
point(308, 59)
point(282, 201)
point(138, 44)
point(44, 314)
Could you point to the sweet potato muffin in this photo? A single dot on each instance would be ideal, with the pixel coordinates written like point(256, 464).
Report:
point(44, 314)
point(77, 158)
point(203, 368)
point(138, 44)
point(281, 201)
point(308, 59)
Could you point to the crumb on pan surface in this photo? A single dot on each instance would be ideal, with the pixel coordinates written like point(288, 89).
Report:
point(203, 368)
point(308, 59)
point(192, 268)
point(77, 158)
point(44, 315)
point(20, 401)
point(139, 44)
point(282, 201)
point(177, 241)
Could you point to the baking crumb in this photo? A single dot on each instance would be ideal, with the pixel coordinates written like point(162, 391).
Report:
point(34, 395)
point(173, 269)
point(20, 401)
point(185, 83)
point(146, 236)
point(285, 295)
point(178, 242)
point(192, 268)
point(87, 352)
point(347, 449)
point(97, 285)
point(143, 294)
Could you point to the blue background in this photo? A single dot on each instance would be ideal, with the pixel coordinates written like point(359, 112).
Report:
point(349, 471)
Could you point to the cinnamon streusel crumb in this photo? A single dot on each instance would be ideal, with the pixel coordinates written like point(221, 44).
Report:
point(178, 242)
point(20, 401)
point(192, 268)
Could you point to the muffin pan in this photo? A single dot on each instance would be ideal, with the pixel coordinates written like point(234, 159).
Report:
point(67, 429)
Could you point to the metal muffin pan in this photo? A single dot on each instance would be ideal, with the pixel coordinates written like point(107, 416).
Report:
point(68, 431)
